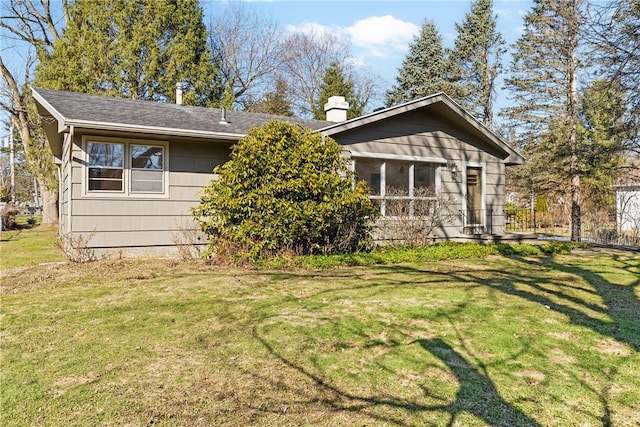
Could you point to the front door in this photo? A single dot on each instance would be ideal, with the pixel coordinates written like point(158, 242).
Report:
point(474, 196)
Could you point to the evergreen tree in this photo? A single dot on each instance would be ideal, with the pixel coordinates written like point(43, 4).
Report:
point(476, 58)
point(135, 49)
point(601, 141)
point(544, 84)
point(615, 36)
point(425, 70)
point(335, 83)
point(276, 102)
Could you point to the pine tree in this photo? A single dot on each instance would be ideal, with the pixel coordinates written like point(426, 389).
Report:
point(276, 102)
point(544, 85)
point(336, 83)
point(476, 58)
point(425, 70)
point(601, 135)
point(134, 49)
point(615, 35)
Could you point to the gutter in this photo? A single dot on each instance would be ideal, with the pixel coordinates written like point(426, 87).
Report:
point(152, 130)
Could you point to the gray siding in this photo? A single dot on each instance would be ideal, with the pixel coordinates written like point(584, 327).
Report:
point(154, 224)
point(421, 135)
point(149, 222)
point(65, 186)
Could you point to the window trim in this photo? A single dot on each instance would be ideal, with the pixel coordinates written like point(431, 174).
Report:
point(438, 162)
point(89, 167)
point(127, 169)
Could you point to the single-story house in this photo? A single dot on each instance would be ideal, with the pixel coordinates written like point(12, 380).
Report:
point(131, 170)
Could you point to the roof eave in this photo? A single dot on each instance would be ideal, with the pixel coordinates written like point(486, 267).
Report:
point(154, 130)
point(50, 109)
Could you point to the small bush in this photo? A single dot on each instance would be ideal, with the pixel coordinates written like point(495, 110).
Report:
point(414, 222)
point(285, 190)
point(76, 247)
point(8, 217)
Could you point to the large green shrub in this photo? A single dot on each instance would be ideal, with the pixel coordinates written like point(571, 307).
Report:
point(284, 190)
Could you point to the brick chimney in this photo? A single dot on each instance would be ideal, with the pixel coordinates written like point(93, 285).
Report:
point(336, 109)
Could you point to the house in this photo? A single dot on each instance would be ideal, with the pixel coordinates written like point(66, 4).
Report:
point(131, 170)
point(628, 201)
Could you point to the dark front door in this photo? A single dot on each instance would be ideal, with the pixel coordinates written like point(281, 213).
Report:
point(474, 196)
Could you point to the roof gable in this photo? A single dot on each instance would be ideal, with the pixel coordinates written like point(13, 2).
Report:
point(438, 104)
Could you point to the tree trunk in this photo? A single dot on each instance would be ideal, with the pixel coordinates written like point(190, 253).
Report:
point(576, 213)
point(49, 206)
point(572, 113)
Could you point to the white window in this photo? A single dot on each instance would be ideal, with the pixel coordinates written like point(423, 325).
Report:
point(124, 167)
point(106, 166)
point(400, 187)
point(147, 168)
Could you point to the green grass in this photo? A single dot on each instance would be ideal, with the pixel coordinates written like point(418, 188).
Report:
point(25, 247)
point(436, 252)
point(498, 340)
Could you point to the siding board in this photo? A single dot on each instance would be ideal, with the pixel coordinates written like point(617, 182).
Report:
point(127, 207)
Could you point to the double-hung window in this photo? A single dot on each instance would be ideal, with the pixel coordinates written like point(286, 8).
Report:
point(124, 168)
point(106, 166)
point(147, 168)
point(401, 188)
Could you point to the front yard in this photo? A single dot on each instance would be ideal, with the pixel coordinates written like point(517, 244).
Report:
point(539, 340)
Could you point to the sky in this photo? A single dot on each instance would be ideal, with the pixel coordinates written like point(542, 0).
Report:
point(380, 31)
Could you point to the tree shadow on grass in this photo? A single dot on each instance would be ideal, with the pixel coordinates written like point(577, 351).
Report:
point(476, 395)
point(619, 302)
point(585, 295)
point(8, 235)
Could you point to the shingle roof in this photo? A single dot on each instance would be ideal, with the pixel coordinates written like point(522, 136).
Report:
point(117, 114)
point(75, 108)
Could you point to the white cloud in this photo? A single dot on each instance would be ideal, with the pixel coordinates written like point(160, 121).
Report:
point(382, 34)
point(376, 36)
point(312, 28)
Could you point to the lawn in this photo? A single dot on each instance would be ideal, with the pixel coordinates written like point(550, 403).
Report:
point(532, 341)
point(24, 247)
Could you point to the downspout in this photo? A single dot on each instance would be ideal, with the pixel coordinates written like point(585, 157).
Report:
point(59, 167)
point(70, 176)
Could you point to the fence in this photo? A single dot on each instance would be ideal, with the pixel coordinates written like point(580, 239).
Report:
point(596, 230)
point(521, 220)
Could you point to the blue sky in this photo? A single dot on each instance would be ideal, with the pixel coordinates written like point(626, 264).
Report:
point(379, 32)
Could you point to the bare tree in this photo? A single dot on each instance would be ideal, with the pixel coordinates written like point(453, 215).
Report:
point(628, 215)
point(614, 33)
point(34, 25)
point(254, 53)
point(309, 54)
point(34, 22)
point(247, 45)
